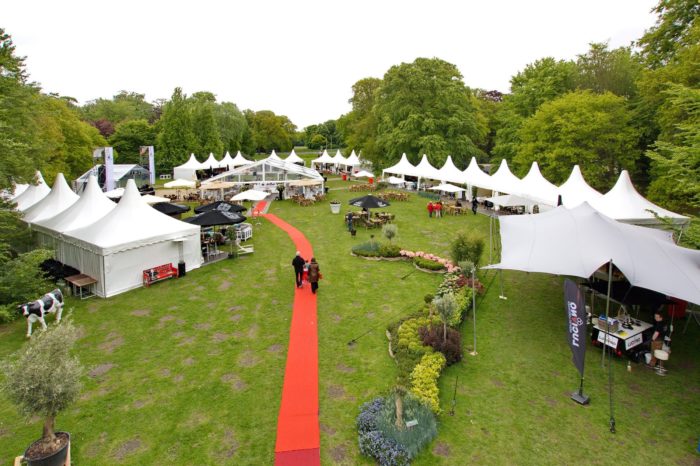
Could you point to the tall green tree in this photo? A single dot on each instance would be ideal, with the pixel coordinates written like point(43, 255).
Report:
point(176, 139)
point(232, 126)
point(122, 107)
point(128, 138)
point(424, 108)
point(602, 70)
point(204, 124)
point(269, 131)
point(671, 31)
point(359, 126)
point(592, 130)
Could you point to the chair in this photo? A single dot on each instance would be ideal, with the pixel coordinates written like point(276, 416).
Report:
point(243, 250)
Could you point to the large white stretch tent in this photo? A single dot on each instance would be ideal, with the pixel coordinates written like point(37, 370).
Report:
point(579, 241)
point(133, 237)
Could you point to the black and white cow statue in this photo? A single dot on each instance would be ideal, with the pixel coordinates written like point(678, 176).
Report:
point(50, 303)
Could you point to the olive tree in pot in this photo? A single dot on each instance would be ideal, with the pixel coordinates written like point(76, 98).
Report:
point(42, 379)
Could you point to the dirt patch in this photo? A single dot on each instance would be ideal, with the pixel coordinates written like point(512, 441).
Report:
point(202, 326)
point(141, 313)
point(173, 308)
point(556, 373)
point(645, 414)
point(248, 359)
point(276, 348)
point(188, 362)
point(165, 372)
point(138, 404)
point(235, 318)
point(112, 342)
point(336, 392)
point(179, 335)
point(180, 322)
point(336, 318)
point(100, 370)
point(163, 320)
point(326, 429)
point(339, 453)
point(229, 446)
point(225, 285)
point(551, 402)
point(199, 288)
point(187, 341)
point(4, 432)
point(498, 383)
point(274, 302)
point(369, 315)
point(211, 305)
point(346, 369)
point(235, 308)
point(195, 420)
point(93, 449)
point(635, 387)
point(219, 337)
point(127, 448)
point(179, 378)
point(234, 381)
point(441, 449)
point(92, 308)
point(253, 331)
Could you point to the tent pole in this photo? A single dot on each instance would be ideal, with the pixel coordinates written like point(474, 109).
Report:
point(490, 239)
point(607, 309)
point(474, 353)
point(500, 276)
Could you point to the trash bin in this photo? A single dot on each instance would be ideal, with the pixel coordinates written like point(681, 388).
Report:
point(181, 272)
point(345, 177)
point(371, 180)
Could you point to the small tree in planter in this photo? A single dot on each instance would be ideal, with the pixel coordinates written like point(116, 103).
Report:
point(389, 231)
point(445, 307)
point(43, 379)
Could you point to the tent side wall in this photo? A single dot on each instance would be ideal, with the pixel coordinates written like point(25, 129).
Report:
point(184, 173)
point(86, 261)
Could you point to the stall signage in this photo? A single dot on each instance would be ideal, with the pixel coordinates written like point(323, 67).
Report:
point(576, 319)
point(611, 341)
point(633, 341)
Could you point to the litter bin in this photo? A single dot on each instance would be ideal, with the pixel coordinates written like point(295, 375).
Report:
point(345, 177)
point(181, 269)
point(371, 180)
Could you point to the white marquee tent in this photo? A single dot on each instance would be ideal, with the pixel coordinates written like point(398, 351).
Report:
point(33, 194)
point(338, 159)
point(403, 168)
point(226, 162)
point(625, 204)
point(425, 170)
point(18, 189)
point(578, 241)
point(211, 162)
point(449, 172)
point(59, 199)
point(475, 176)
point(324, 159)
point(239, 160)
point(536, 187)
point(447, 188)
point(179, 183)
point(353, 160)
point(575, 191)
point(133, 237)
point(294, 158)
point(188, 170)
point(274, 155)
point(503, 181)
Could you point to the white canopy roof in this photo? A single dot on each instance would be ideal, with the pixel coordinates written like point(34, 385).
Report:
point(504, 181)
point(365, 174)
point(18, 189)
point(293, 158)
point(403, 167)
point(59, 199)
point(131, 224)
point(92, 206)
point(576, 191)
point(150, 199)
point(324, 158)
point(239, 160)
point(274, 155)
point(475, 176)
point(338, 158)
point(579, 241)
point(211, 162)
point(625, 204)
point(449, 172)
point(425, 170)
point(33, 194)
point(353, 160)
point(192, 163)
point(536, 187)
point(227, 161)
point(395, 180)
point(510, 200)
point(250, 195)
point(268, 165)
point(448, 188)
point(179, 183)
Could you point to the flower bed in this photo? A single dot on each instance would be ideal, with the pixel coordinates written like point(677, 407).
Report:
point(429, 261)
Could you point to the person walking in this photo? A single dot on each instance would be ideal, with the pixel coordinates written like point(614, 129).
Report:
point(314, 274)
point(348, 220)
point(475, 204)
point(298, 264)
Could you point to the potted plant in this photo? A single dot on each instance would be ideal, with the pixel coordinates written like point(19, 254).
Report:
point(335, 206)
point(42, 379)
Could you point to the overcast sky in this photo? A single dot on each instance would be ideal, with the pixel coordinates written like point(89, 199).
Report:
point(298, 58)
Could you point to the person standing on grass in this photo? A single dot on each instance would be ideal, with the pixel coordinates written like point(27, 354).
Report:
point(298, 264)
point(314, 274)
point(430, 208)
point(348, 220)
point(657, 338)
point(438, 209)
point(475, 204)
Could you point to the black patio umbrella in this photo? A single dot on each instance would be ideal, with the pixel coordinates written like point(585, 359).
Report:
point(222, 206)
point(368, 202)
point(170, 209)
point(215, 217)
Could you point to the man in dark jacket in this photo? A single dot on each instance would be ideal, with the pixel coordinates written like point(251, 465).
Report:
point(298, 264)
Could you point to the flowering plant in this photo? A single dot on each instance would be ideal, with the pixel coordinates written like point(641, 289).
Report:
point(431, 257)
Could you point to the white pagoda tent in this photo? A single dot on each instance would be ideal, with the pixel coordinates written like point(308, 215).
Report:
point(92, 206)
point(449, 172)
point(424, 170)
point(338, 159)
point(133, 237)
point(239, 160)
point(353, 160)
point(503, 181)
point(575, 191)
point(59, 199)
point(226, 162)
point(188, 170)
point(537, 188)
point(403, 168)
point(274, 155)
point(294, 158)
point(625, 204)
point(324, 159)
point(211, 162)
point(475, 176)
point(33, 194)
point(18, 189)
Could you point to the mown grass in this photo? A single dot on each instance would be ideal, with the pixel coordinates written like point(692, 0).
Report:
point(198, 378)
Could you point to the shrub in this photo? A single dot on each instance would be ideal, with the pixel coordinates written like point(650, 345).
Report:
point(389, 250)
point(409, 339)
point(467, 247)
point(22, 280)
point(450, 348)
point(450, 284)
point(428, 264)
point(428, 298)
point(389, 231)
point(367, 419)
point(366, 249)
point(446, 307)
point(412, 439)
point(372, 441)
point(424, 380)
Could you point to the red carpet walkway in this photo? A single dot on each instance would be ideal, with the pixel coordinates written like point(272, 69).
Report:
point(297, 425)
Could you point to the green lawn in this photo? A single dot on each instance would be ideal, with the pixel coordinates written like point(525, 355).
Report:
point(190, 371)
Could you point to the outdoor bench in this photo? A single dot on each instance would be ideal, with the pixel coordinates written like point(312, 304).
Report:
point(159, 273)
